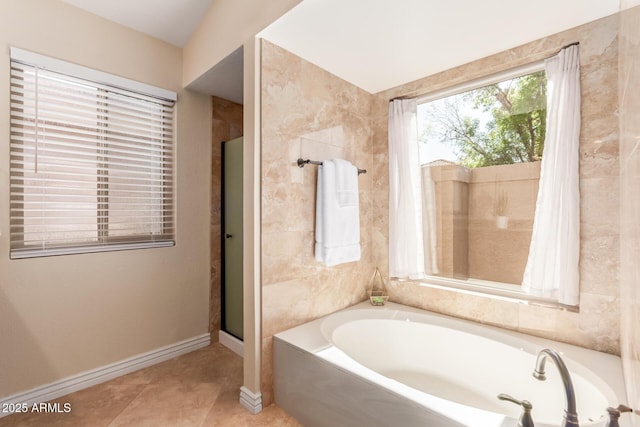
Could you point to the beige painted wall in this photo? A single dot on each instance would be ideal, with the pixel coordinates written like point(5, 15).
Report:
point(597, 325)
point(63, 315)
point(306, 112)
point(251, 176)
point(226, 26)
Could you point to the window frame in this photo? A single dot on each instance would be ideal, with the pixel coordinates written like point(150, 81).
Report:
point(480, 287)
point(104, 83)
point(512, 73)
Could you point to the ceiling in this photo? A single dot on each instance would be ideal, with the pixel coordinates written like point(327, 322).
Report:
point(224, 80)
point(373, 44)
point(170, 20)
point(380, 44)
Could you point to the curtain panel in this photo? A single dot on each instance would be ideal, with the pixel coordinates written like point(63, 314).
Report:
point(406, 255)
point(552, 265)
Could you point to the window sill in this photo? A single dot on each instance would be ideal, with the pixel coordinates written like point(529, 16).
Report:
point(493, 290)
point(36, 253)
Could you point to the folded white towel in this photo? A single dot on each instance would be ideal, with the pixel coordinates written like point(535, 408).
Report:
point(346, 183)
point(337, 213)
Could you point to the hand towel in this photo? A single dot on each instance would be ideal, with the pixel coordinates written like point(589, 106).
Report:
point(337, 213)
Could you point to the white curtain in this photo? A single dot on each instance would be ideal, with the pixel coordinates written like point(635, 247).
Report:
point(406, 253)
point(429, 222)
point(552, 266)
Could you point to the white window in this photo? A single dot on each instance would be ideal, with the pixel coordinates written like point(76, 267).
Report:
point(491, 218)
point(91, 160)
point(480, 148)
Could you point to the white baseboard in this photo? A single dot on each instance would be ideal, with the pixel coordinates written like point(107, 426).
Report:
point(250, 401)
point(105, 373)
point(232, 343)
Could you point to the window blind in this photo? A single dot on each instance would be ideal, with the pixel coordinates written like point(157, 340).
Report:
point(91, 165)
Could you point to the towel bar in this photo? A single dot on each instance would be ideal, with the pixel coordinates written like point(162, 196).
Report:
point(302, 162)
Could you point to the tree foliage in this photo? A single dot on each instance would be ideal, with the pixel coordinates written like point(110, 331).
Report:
point(510, 129)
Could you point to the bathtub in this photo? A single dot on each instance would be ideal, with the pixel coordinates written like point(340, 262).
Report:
point(400, 366)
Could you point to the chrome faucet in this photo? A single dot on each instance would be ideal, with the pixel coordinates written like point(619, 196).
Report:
point(525, 419)
point(614, 414)
point(570, 413)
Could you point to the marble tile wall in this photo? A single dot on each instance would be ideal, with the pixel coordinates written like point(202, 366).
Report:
point(597, 324)
point(630, 202)
point(227, 125)
point(307, 112)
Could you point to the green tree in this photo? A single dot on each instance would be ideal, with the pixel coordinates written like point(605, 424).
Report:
point(511, 128)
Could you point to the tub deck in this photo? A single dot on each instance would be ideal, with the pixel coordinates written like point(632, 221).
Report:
point(321, 385)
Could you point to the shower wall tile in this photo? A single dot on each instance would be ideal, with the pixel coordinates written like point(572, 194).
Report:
point(600, 275)
point(630, 202)
point(316, 150)
point(537, 320)
point(466, 306)
point(599, 206)
point(380, 183)
point(597, 324)
point(309, 113)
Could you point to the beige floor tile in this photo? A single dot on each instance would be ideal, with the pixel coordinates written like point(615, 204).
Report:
point(171, 404)
point(234, 415)
point(201, 388)
point(94, 406)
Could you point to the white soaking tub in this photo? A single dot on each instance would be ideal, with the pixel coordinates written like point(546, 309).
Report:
point(400, 366)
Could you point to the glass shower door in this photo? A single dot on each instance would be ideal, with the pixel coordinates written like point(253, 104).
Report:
point(232, 238)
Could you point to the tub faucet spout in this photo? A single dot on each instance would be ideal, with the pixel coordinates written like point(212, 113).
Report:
point(570, 413)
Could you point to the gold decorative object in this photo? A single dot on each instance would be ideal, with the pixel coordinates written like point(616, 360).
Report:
point(377, 289)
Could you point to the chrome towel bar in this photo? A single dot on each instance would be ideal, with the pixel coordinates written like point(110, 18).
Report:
point(302, 162)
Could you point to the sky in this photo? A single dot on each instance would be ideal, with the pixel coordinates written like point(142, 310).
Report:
point(435, 149)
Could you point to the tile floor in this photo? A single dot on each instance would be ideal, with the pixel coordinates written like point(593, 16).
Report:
point(197, 389)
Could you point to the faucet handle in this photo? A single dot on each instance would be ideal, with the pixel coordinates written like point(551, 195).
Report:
point(614, 414)
point(525, 418)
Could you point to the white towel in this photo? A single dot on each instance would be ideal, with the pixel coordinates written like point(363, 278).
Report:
point(337, 213)
point(346, 183)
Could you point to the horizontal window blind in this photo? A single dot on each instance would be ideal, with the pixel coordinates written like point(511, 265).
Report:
point(91, 165)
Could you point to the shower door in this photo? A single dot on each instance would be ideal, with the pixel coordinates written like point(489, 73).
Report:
point(232, 237)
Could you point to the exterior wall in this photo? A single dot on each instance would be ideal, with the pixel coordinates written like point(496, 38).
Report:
point(226, 125)
point(63, 315)
point(306, 112)
point(597, 324)
point(500, 254)
point(470, 242)
point(451, 185)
